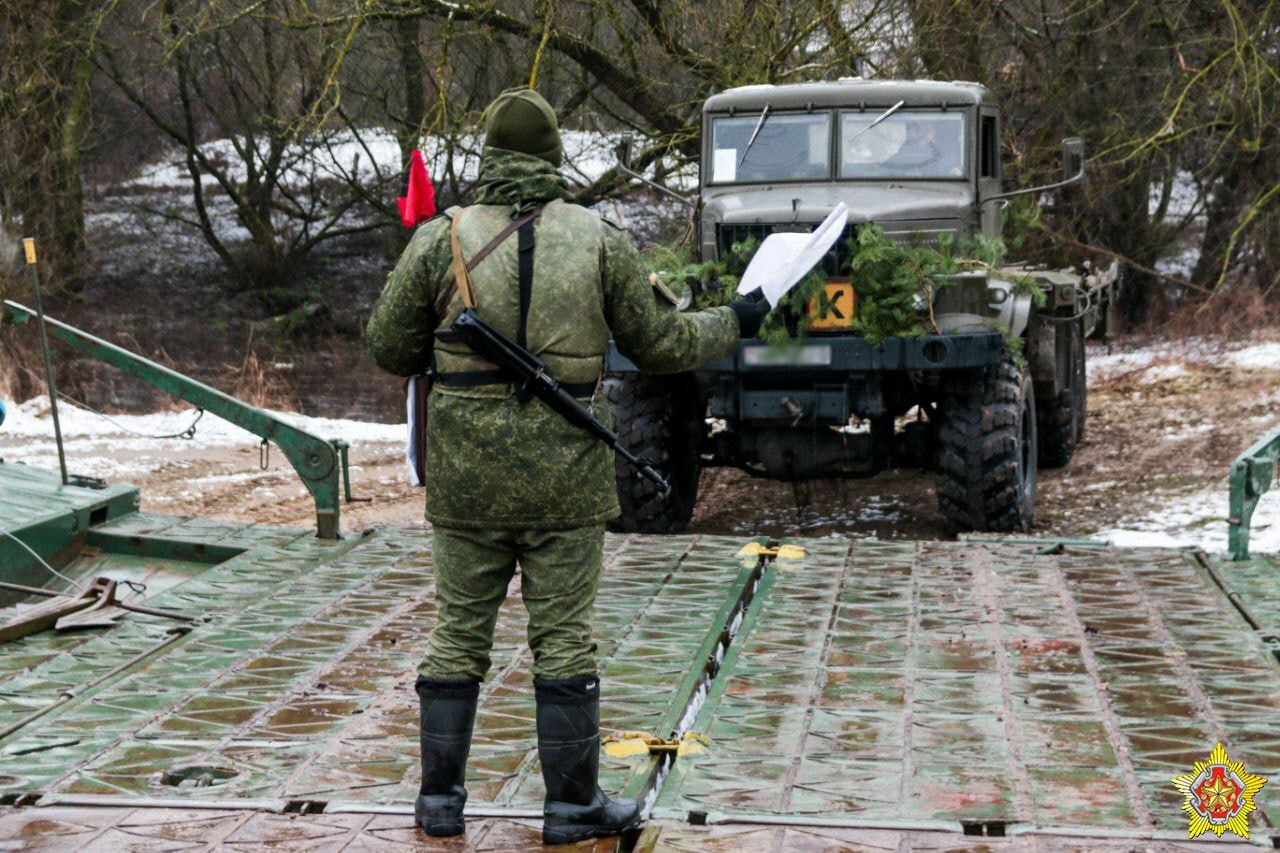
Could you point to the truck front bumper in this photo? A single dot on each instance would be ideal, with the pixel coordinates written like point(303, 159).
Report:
point(823, 356)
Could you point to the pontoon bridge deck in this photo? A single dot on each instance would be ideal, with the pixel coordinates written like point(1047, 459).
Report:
point(853, 694)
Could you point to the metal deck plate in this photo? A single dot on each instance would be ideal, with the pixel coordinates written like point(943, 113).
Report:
point(50, 518)
point(932, 686)
point(298, 684)
point(874, 694)
point(62, 828)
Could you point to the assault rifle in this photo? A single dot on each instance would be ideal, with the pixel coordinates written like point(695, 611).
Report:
point(529, 373)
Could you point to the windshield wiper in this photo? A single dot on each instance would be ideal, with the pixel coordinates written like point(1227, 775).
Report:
point(884, 115)
point(752, 141)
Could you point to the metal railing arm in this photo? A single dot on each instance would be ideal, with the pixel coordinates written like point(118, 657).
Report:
point(313, 458)
point(1251, 476)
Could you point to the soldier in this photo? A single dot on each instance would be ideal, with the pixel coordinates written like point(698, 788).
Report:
point(508, 480)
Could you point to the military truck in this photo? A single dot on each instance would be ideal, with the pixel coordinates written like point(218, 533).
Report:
point(920, 159)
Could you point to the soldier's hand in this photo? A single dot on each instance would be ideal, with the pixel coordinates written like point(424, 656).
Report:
point(751, 311)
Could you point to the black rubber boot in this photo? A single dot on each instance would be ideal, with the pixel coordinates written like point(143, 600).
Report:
point(448, 713)
point(569, 747)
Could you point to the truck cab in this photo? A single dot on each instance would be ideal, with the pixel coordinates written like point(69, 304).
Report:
point(913, 157)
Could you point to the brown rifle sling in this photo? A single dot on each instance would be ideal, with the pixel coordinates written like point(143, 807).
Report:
point(462, 270)
point(461, 283)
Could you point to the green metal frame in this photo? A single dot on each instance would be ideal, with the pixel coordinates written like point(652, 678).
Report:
point(313, 458)
point(1251, 476)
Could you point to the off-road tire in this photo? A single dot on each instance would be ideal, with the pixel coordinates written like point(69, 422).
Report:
point(651, 420)
point(1060, 419)
point(987, 452)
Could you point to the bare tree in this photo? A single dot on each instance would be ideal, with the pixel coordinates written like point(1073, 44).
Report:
point(1176, 98)
point(293, 120)
point(44, 111)
point(252, 106)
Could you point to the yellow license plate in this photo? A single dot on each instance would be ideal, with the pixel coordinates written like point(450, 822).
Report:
point(833, 307)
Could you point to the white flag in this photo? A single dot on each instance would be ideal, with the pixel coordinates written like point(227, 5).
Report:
point(784, 258)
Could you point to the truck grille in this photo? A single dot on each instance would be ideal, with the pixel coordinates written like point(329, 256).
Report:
point(728, 234)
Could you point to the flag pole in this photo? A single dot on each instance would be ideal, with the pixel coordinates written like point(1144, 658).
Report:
point(29, 247)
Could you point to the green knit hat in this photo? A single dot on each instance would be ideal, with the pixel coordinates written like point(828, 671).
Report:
point(521, 120)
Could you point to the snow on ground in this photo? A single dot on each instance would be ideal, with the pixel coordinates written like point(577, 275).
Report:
point(1168, 360)
point(141, 224)
point(128, 447)
point(34, 419)
point(1257, 357)
point(1199, 520)
point(1184, 197)
point(1180, 261)
point(373, 155)
point(125, 446)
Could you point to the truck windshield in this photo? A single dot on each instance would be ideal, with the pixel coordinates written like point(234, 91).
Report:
point(905, 145)
point(787, 148)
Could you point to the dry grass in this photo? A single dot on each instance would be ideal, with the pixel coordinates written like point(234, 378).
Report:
point(1237, 310)
point(258, 384)
point(8, 379)
point(20, 377)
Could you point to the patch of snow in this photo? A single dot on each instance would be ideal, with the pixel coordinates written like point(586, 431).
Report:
point(239, 477)
point(1184, 432)
point(372, 155)
point(1140, 539)
point(1199, 520)
point(1257, 357)
point(1112, 364)
point(1161, 372)
point(33, 419)
point(1184, 197)
point(1173, 359)
point(155, 208)
point(81, 460)
point(1181, 262)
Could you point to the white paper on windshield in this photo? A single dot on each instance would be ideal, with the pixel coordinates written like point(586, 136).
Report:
point(783, 259)
point(725, 165)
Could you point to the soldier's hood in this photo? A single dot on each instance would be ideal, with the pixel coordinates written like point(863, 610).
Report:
point(521, 180)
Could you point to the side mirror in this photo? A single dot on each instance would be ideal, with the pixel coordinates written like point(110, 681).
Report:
point(1072, 168)
point(1072, 159)
point(623, 149)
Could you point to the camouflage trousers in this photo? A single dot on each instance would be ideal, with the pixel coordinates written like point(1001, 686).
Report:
point(559, 576)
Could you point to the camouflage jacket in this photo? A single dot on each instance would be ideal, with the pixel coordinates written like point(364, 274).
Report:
point(492, 461)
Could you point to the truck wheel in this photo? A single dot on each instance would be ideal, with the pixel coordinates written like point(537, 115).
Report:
point(1061, 419)
point(648, 418)
point(987, 443)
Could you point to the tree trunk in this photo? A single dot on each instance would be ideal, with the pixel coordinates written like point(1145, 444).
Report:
point(43, 113)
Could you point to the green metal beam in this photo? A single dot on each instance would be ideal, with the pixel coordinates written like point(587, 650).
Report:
point(313, 458)
point(160, 548)
point(1251, 476)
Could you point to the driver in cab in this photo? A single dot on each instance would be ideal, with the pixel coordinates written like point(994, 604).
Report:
point(920, 154)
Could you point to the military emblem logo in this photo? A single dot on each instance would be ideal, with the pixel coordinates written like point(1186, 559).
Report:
point(1218, 795)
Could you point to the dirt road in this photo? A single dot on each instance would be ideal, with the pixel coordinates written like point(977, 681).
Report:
point(1165, 420)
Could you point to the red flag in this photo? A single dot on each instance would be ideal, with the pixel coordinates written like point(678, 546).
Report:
point(420, 203)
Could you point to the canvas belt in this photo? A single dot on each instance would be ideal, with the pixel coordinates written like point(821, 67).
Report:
point(476, 378)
